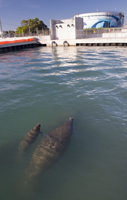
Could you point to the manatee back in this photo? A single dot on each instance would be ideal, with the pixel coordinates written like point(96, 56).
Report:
point(50, 149)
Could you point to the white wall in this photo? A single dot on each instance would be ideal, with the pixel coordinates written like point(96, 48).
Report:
point(115, 35)
point(66, 29)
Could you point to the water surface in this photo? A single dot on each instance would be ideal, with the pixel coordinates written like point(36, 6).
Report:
point(49, 85)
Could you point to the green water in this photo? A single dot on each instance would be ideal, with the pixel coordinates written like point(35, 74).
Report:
point(48, 86)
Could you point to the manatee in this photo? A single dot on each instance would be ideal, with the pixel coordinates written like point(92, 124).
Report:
point(49, 150)
point(29, 138)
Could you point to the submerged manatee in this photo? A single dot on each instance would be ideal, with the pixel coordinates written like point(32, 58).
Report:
point(49, 150)
point(29, 138)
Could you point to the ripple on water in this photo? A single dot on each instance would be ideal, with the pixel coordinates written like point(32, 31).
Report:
point(49, 85)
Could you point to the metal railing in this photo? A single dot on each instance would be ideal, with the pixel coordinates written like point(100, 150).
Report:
point(80, 34)
point(102, 32)
point(42, 32)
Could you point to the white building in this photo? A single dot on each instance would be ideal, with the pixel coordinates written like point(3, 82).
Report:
point(71, 31)
point(102, 19)
point(66, 29)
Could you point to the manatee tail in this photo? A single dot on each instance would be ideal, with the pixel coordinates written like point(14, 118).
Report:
point(25, 188)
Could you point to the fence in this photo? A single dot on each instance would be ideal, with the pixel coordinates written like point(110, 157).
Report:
point(36, 33)
point(81, 34)
point(103, 32)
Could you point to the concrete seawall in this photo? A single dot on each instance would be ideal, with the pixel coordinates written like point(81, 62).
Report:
point(10, 44)
point(86, 42)
point(104, 40)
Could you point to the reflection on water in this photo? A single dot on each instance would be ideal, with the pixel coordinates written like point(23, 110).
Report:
point(48, 86)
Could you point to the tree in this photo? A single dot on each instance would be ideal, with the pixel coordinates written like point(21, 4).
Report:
point(31, 25)
point(9, 33)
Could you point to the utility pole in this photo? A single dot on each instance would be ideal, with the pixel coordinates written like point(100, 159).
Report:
point(1, 27)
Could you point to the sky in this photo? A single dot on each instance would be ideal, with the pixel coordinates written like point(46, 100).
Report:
point(12, 12)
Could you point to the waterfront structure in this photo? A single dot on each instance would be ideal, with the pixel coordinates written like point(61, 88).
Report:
point(66, 29)
point(102, 19)
point(70, 32)
point(17, 43)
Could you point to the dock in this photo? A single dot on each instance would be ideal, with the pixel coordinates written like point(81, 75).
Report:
point(17, 43)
